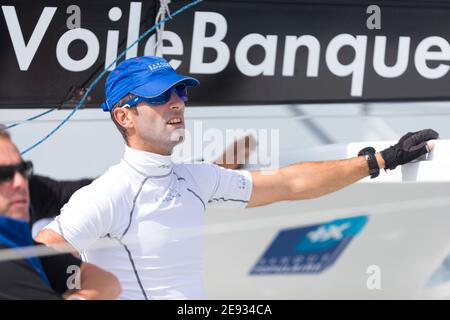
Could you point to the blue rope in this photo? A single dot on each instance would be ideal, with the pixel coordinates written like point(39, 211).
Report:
point(80, 103)
point(32, 118)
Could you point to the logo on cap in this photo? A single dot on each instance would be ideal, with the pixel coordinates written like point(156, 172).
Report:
point(159, 65)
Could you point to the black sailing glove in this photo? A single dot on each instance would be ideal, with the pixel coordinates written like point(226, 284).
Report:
point(411, 146)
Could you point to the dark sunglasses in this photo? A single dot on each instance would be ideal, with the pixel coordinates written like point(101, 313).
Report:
point(25, 168)
point(180, 90)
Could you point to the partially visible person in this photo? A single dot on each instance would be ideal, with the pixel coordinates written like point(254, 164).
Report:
point(48, 196)
point(32, 277)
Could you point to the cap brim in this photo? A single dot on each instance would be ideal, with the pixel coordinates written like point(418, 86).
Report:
point(158, 86)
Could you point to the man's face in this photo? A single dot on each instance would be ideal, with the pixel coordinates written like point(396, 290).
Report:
point(14, 194)
point(159, 128)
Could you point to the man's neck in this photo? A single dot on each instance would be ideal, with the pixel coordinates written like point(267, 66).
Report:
point(149, 148)
point(148, 163)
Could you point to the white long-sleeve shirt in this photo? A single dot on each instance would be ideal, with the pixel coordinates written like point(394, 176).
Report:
point(148, 212)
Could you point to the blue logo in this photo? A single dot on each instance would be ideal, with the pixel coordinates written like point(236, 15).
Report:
point(309, 249)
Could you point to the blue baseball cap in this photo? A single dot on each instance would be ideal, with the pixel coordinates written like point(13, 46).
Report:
point(145, 77)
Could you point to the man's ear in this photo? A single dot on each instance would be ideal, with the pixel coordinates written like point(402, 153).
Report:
point(123, 117)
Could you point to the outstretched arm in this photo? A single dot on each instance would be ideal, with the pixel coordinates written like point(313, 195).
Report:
point(307, 180)
point(314, 179)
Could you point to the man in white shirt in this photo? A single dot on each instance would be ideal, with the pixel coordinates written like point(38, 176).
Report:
point(142, 205)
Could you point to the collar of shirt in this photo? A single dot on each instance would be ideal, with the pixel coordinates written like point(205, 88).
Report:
point(15, 234)
point(148, 163)
point(16, 231)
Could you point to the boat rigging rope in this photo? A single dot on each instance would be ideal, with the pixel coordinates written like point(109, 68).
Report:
point(158, 24)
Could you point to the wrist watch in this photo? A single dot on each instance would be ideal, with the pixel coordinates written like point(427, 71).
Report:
point(369, 154)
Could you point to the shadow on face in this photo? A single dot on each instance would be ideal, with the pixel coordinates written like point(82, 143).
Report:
point(158, 128)
point(14, 193)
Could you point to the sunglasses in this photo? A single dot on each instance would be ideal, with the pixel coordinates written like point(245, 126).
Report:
point(25, 168)
point(180, 90)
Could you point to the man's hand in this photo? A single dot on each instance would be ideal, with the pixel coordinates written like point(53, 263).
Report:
point(96, 284)
point(237, 154)
point(410, 147)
